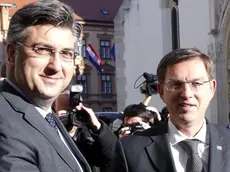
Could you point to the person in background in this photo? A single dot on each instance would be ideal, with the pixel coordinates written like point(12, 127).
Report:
point(187, 141)
point(137, 117)
point(41, 48)
point(164, 113)
point(94, 140)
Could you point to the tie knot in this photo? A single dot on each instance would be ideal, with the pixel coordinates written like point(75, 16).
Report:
point(49, 117)
point(190, 146)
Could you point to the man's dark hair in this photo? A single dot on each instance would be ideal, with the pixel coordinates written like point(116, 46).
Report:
point(139, 110)
point(42, 12)
point(180, 55)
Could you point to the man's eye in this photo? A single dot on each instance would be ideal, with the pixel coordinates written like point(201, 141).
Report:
point(196, 84)
point(42, 50)
point(67, 54)
point(175, 84)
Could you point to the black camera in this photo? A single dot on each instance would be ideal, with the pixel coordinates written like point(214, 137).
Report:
point(78, 118)
point(135, 128)
point(151, 84)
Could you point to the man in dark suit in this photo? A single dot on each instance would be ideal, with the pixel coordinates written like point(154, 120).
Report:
point(41, 46)
point(186, 141)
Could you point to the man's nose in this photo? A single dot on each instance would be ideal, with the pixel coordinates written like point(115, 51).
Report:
point(55, 61)
point(186, 90)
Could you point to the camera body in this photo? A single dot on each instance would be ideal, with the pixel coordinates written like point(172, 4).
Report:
point(135, 128)
point(78, 118)
point(151, 84)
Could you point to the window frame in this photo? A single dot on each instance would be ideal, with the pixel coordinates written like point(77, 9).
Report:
point(105, 49)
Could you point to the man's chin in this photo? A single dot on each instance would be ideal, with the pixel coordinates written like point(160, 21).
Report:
point(49, 94)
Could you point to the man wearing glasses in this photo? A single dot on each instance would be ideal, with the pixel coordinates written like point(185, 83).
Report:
point(41, 47)
point(187, 141)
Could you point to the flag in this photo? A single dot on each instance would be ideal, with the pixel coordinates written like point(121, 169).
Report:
point(113, 53)
point(94, 58)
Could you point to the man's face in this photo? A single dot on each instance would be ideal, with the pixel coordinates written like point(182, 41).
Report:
point(44, 77)
point(186, 106)
point(62, 104)
point(132, 120)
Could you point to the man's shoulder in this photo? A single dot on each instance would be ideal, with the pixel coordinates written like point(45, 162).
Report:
point(146, 137)
point(156, 130)
point(221, 130)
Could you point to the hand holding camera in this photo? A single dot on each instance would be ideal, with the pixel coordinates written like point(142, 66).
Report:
point(92, 119)
point(78, 115)
point(134, 128)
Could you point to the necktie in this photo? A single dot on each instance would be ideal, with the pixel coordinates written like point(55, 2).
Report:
point(194, 162)
point(50, 119)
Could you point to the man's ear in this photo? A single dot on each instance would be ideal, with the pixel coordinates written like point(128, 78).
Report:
point(10, 50)
point(213, 86)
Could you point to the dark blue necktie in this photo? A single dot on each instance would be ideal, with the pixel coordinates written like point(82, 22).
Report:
point(50, 119)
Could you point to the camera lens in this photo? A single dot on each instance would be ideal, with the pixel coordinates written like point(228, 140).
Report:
point(79, 118)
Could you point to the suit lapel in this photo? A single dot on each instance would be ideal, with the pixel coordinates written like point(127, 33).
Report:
point(217, 149)
point(37, 121)
point(159, 151)
point(72, 145)
point(34, 118)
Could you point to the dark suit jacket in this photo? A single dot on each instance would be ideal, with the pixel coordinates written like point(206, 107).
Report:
point(150, 151)
point(97, 147)
point(28, 143)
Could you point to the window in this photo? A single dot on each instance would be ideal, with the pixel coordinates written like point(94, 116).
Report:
point(82, 48)
point(107, 109)
point(82, 79)
point(106, 84)
point(105, 49)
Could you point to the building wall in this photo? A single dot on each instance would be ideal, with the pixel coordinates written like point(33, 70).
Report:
point(94, 98)
point(139, 47)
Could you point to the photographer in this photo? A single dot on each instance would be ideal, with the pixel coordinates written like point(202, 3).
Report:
point(93, 137)
point(137, 118)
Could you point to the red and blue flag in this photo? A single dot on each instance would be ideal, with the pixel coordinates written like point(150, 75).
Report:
point(94, 58)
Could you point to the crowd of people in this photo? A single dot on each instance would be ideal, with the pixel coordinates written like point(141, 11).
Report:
point(37, 133)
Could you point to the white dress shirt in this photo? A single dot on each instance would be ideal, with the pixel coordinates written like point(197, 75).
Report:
point(179, 154)
point(43, 114)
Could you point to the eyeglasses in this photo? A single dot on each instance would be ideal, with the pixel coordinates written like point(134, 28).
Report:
point(178, 85)
point(67, 55)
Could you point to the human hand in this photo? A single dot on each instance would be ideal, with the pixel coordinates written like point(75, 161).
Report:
point(136, 127)
point(94, 122)
point(144, 125)
point(125, 131)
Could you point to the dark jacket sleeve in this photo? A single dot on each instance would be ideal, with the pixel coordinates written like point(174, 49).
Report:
point(98, 147)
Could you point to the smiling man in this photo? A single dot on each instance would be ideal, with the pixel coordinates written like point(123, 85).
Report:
point(187, 141)
point(41, 47)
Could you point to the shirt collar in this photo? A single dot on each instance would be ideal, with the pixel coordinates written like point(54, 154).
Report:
point(42, 111)
point(175, 136)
